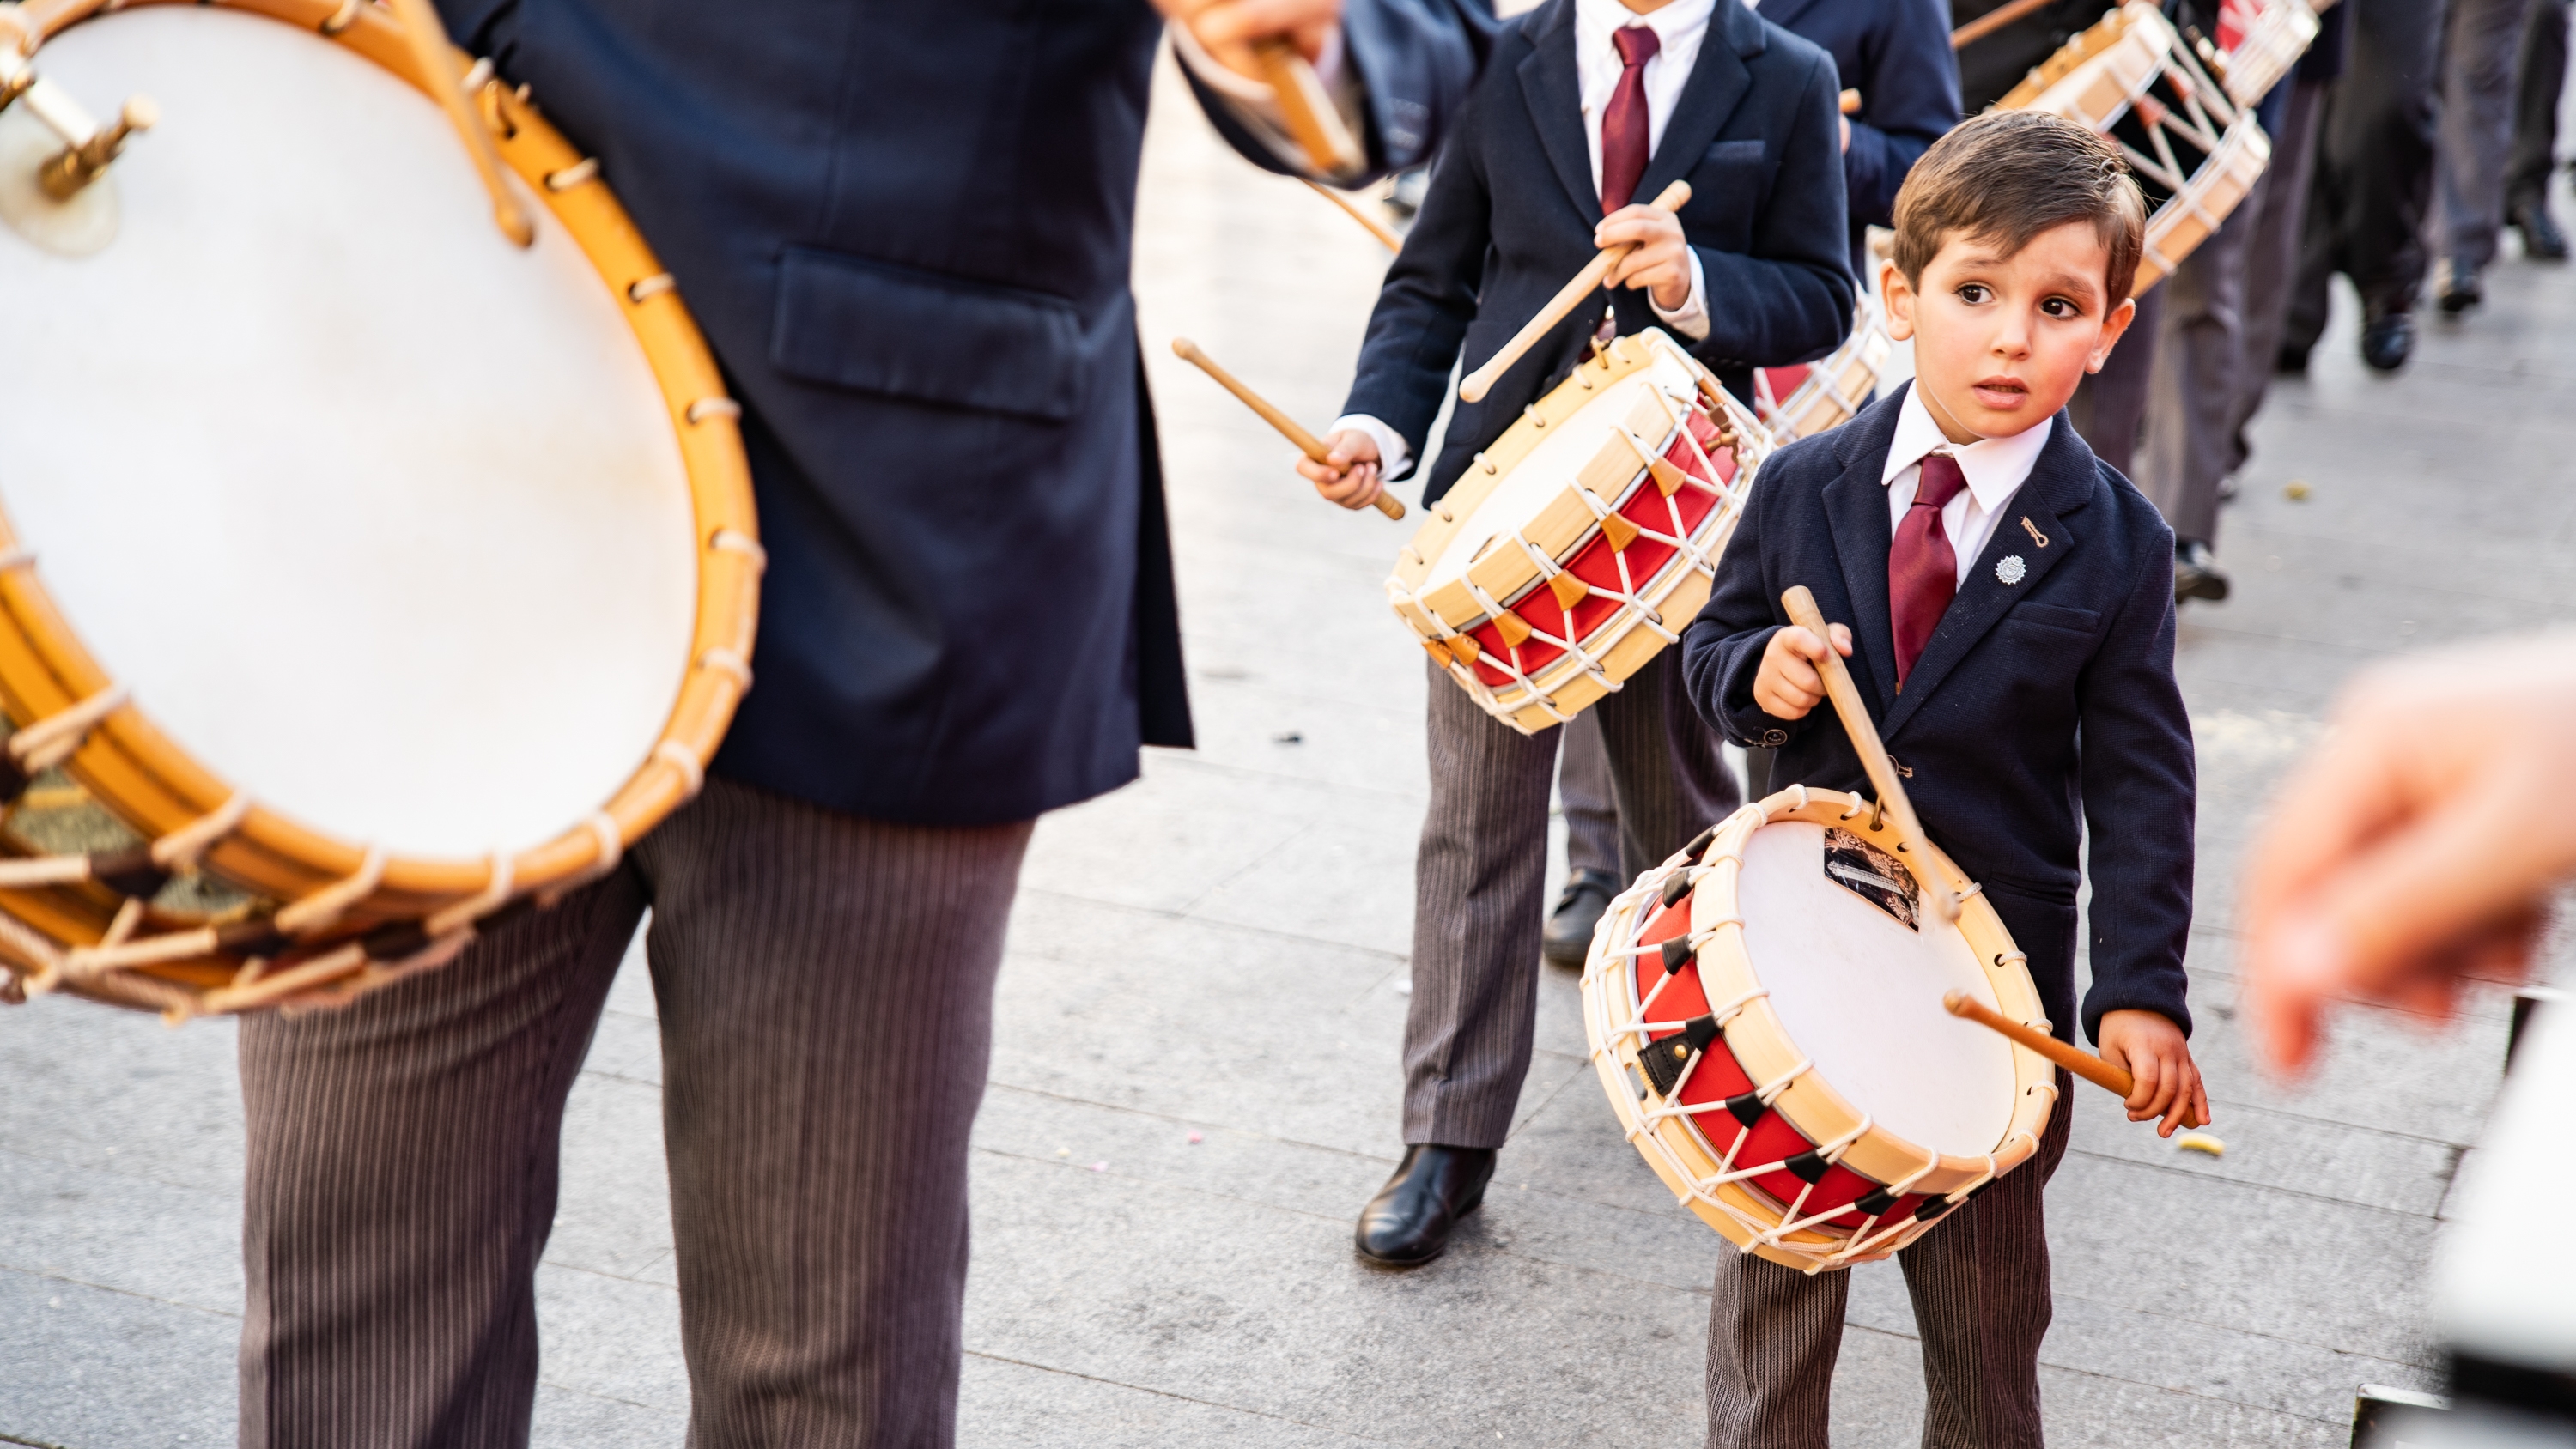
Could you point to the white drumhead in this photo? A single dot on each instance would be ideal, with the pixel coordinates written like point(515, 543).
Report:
point(1860, 996)
point(1551, 467)
point(379, 517)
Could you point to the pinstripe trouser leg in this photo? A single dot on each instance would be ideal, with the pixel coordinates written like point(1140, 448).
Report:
point(1979, 1282)
point(1480, 878)
point(825, 991)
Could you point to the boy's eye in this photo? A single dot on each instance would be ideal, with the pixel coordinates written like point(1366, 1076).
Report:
point(1975, 293)
point(2059, 307)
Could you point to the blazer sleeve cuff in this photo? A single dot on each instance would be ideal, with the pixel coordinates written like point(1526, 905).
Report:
point(1743, 721)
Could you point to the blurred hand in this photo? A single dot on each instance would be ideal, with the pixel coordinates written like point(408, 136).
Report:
point(1348, 475)
point(1661, 261)
point(2164, 1080)
point(1789, 682)
point(1228, 29)
point(2418, 846)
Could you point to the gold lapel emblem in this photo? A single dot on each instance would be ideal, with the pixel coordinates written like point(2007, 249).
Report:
point(2036, 536)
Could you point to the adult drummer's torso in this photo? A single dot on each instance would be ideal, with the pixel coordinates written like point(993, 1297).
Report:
point(905, 230)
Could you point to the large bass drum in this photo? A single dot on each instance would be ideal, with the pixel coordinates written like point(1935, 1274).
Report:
point(362, 576)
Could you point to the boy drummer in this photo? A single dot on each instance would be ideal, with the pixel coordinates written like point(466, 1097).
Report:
point(1585, 106)
point(2005, 593)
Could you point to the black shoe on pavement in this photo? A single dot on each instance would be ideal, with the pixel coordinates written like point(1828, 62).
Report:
point(2387, 340)
point(2293, 361)
point(1568, 937)
point(1410, 1220)
point(2455, 288)
point(2542, 241)
point(2196, 574)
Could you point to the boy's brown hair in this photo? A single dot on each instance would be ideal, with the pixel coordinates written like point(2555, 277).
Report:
point(2007, 176)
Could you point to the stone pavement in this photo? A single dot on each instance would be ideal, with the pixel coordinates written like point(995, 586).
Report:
point(1194, 1085)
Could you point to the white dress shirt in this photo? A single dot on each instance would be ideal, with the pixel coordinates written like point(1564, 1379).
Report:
point(1679, 28)
point(1995, 469)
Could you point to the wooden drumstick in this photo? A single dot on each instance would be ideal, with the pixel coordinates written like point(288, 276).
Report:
point(1376, 228)
point(1849, 101)
point(1482, 380)
point(1992, 21)
point(1873, 754)
point(1308, 111)
point(1289, 428)
point(437, 62)
point(2075, 1059)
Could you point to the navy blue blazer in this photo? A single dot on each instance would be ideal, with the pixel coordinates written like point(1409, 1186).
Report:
point(1896, 53)
point(1987, 731)
point(1510, 210)
point(905, 229)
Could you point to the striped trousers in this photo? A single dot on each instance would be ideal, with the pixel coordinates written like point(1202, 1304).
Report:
point(1979, 1281)
point(825, 989)
point(1480, 878)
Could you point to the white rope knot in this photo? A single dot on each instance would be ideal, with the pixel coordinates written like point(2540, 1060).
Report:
point(324, 907)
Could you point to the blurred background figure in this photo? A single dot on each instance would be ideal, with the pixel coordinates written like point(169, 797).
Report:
point(2272, 256)
point(2188, 447)
point(2542, 75)
point(2481, 53)
point(2373, 182)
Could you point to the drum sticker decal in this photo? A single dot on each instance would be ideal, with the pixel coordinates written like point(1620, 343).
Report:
point(1873, 875)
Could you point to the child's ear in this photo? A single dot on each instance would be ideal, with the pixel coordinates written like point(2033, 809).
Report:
point(2113, 327)
point(1897, 300)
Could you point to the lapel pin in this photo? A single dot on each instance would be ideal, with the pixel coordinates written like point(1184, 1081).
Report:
point(2036, 536)
point(2010, 568)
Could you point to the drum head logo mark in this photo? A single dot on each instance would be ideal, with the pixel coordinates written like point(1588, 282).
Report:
point(1873, 875)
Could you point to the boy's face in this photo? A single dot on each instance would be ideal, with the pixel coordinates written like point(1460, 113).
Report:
point(2001, 340)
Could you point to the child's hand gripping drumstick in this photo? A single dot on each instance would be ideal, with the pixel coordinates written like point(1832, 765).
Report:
point(1289, 428)
point(1873, 755)
point(1567, 298)
point(2190, 1109)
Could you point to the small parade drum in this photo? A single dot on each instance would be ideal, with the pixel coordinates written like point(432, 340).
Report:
point(363, 577)
point(2195, 151)
point(1801, 401)
point(1585, 538)
point(1765, 1010)
point(2258, 42)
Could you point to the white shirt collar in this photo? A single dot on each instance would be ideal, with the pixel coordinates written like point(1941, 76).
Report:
point(1995, 467)
point(1683, 19)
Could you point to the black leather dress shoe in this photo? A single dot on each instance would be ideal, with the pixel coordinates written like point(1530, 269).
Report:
point(2196, 574)
point(1411, 1218)
point(1568, 937)
point(2388, 340)
point(2542, 241)
point(2456, 288)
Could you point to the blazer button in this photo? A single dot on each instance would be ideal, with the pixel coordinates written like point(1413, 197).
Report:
point(1775, 738)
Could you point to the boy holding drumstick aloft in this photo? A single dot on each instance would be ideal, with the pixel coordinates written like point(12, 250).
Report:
point(2007, 596)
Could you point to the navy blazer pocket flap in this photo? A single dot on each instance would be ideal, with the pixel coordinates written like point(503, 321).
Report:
point(2058, 616)
point(851, 322)
point(1734, 153)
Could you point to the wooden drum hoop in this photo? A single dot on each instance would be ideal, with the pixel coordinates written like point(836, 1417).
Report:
point(349, 917)
point(1681, 1154)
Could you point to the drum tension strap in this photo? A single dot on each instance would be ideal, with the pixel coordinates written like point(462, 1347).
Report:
point(1663, 1060)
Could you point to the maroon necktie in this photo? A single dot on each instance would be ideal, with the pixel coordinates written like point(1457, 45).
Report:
point(1922, 568)
point(1623, 124)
